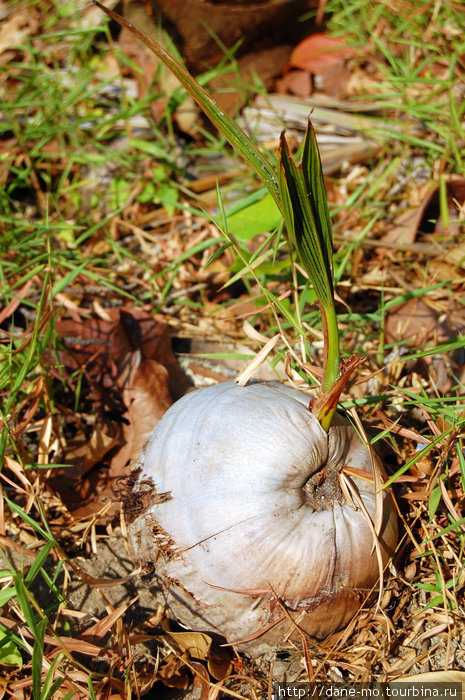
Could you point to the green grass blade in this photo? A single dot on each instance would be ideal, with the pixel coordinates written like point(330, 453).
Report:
point(37, 657)
point(38, 563)
point(453, 526)
point(50, 687)
point(91, 689)
point(5, 595)
point(418, 455)
point(23, 598)
point(448, 346)
point(27, 518)
point(461, 463)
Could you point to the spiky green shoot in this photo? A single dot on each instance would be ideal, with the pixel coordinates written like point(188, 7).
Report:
point(299, 192)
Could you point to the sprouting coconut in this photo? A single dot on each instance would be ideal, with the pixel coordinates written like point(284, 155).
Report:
point(245, 519)
point(261, 509)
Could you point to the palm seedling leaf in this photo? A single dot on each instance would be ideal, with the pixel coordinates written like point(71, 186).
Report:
point(298, 191)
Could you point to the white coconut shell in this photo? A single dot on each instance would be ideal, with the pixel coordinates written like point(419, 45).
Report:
point(233, 536)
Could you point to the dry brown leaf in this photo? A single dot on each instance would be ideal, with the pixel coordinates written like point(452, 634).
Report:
point(78, 646)
point(319, 52)
point(16, 28)
point(195, 644)
point(7, 544)
point(96, 582)
point(96, 344)
point(201, 680)
point(173, 673)
point(295, 82)
point(144, 388)
point(413, 322)
point(404, 228)
point(84, 453)
point(10, 308)
point(100, 628)
point(130, 367)
point(60, 643)
point(219, 663)
point(200, 646)
point(426, 219)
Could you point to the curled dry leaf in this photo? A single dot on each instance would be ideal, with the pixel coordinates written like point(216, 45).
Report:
point(173, 672)
point(426, 218)
point(319, 52)
point(201, 680)
point(200, 646)
point(131, 377)
point(15, 30)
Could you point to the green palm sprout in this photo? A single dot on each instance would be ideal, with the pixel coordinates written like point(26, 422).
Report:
point(299, 192)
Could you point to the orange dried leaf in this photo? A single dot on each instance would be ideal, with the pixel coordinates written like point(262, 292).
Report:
point(127, 351)
point(173, 673)
point(100, 628)
point(326, 404)
point(201, 680)
point(10, 308)
point(319, 52)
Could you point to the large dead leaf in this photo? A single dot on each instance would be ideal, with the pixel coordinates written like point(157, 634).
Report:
point(144, 389)
point(414, 322)
point(132, 378)
point(95, 344)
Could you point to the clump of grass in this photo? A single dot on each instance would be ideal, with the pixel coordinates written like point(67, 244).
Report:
point(412, 52)
point(53, 127)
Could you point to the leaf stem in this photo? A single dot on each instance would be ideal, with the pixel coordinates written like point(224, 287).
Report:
point(331, 348)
